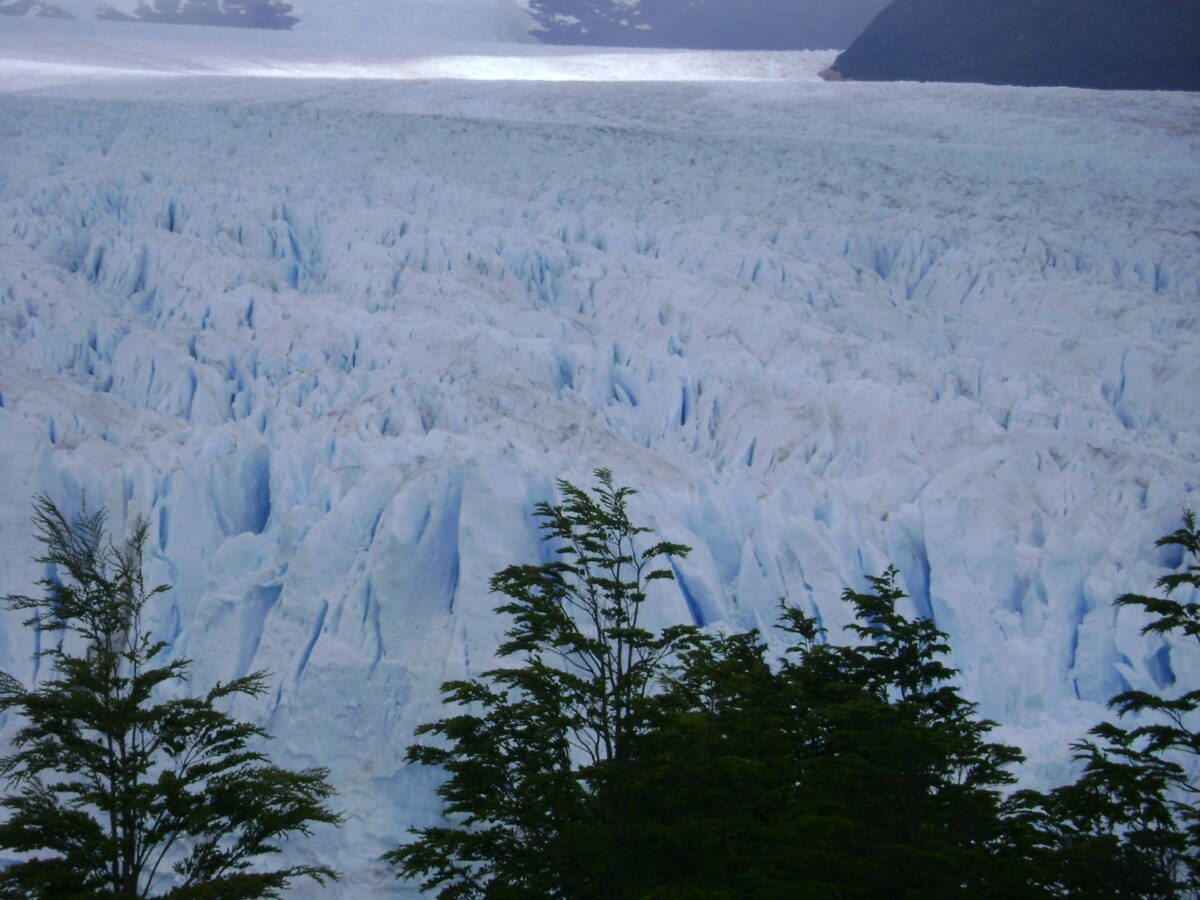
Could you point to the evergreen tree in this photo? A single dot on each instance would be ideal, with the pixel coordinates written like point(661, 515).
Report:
point(539, 759)
point(119, 794)
point(892, 752)
point(612, 762)
point(714, 801)
point(846, 771)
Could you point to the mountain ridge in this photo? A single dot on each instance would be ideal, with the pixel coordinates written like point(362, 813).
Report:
point(703, 24)
point(1106, 44)
point(352, 21)
point(696, 24)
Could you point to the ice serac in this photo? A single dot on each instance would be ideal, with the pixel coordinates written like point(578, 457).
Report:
point(336, 339)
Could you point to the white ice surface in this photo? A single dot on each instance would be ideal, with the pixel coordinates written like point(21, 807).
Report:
point(336, 320)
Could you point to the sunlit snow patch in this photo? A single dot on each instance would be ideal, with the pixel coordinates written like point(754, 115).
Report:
point(32, 55)
point(664, 66)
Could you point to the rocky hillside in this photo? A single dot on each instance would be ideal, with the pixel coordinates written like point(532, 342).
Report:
point(349, 23)
point(704, 24)
point(1114, 44)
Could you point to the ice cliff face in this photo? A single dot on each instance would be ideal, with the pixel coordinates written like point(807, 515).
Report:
point(336, 337)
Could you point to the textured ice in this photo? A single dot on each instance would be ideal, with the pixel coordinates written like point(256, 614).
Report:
point(335, 331)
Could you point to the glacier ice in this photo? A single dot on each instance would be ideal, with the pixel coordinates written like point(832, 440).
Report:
point(335, 337)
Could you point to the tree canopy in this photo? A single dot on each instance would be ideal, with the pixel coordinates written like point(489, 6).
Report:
point(117, 792)
point(610, 761)
point(1129, 827)
point(538, 757)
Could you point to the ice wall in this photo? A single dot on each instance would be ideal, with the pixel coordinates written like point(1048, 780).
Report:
point(336, 349)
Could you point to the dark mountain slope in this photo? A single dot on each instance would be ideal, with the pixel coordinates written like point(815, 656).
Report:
point(704, 24)
point(1121, 44)
point(231, 13)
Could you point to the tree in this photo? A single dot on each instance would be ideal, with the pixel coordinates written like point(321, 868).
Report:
point(613, 762)
point(844, 771)
point(714, 810)
point(1129, 827)
point(539, 759)
point(894, 752)
point(119, 794)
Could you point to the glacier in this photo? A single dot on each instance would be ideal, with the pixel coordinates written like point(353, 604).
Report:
point(335, 321)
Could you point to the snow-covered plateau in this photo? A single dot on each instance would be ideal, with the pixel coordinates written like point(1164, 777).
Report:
point(334, 319)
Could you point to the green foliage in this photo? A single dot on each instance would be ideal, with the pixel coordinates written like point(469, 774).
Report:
point(712, 811)
point(910, 756)
point(538, 760)
point(117, 794)
point(611, 761)
point(846, 771)
point(1129, 826)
